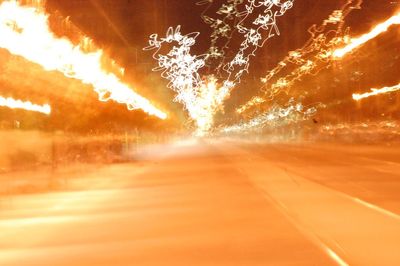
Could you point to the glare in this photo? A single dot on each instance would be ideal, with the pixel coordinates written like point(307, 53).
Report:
point(276, 116)
point(376, 31)
point(203, 96)
point(310, 59)
point(24, 31)
point(25, 105)
point(375, 92)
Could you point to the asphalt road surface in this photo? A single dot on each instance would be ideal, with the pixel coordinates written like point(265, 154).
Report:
point(212, 203)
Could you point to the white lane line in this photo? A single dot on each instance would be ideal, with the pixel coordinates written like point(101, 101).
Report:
point(310, 234)
point(357, 200)
point(336, 257)
point(376, 208)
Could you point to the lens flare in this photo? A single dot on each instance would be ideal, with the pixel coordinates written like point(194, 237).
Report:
point(375, 92)
point(25, 31)
point(24, 105)
point(375, 32)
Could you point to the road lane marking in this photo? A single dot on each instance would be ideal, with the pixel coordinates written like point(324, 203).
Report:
point(314, 235)
point(285, 211)
point(303, 229)
point(376, 208)
point(357, 200)
point(335, 257)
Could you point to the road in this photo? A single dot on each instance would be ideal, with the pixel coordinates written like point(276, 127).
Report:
point(214, 203)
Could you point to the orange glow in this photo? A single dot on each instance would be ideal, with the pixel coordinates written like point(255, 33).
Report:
point(375, 92)
point(209, 99)
point(376, 31)
point(24, 31)
point(18, 104)
point(324, 55)
point(310, 59)
point(253, 102)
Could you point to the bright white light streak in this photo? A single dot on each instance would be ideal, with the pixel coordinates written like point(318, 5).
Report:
point(253, 39)
point(201, 96)
point(25, 105)
point(178, 65)
point(276, 116)
point(376, 31)
point(375, 92)
point(25, 31)
point(181, 69)
point(223, 28)
point(253, 36)
point(314, 56)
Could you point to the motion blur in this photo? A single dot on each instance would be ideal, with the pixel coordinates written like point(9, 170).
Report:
point(199, 132)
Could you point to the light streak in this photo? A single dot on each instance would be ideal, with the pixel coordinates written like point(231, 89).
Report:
point(200, 97)
point(182, 69)
point(207, 104)
point(324, 38)
point(259, 16)
point(25, 31)
point(314, 56)
point(375, 92)
point(178, 65)
point(25, 105)
point(276, 116)
point(359, 128)
point(252, 34)
point(376, 31)
point(223, 28)
point(253, 102)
